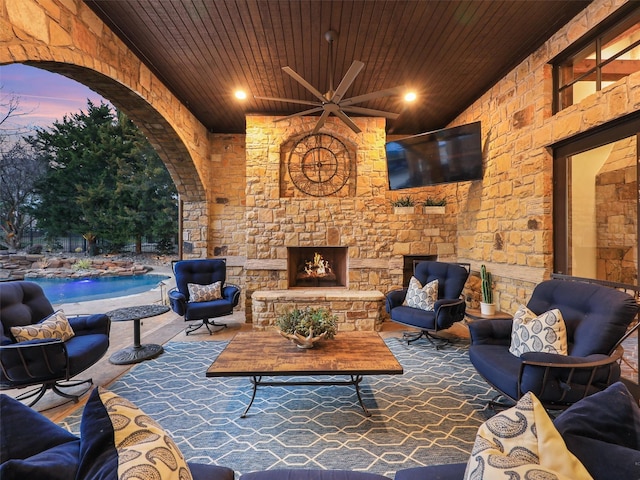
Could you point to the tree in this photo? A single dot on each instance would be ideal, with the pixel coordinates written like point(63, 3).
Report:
point(10, 111)
point(103, 179)
point(19, 170)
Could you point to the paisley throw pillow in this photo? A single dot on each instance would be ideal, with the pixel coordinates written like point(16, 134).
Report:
point(421, 297)
point(522, 442)
point(55, 326)
point(204, 293)
point(546, 332)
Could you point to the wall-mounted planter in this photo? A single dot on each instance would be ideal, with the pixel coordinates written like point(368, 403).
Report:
point(404, 210)
point(434, 209)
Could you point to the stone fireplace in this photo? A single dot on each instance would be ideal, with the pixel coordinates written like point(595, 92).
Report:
point(317, 267)
point(275, 228)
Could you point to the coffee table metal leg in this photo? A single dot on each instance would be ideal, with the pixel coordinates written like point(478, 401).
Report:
point(255, 381)
point(356, 379)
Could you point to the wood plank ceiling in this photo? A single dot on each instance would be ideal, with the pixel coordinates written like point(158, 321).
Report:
point(450, 52)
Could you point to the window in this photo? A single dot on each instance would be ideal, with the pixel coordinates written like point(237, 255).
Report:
point(596, 202)
point(601, 58)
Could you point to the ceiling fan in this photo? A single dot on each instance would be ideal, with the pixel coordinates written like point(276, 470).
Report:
point(332, 102)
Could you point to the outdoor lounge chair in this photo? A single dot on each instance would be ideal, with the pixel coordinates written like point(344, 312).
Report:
point(49, 360)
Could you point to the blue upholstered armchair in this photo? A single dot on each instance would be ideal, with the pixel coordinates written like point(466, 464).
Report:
point(448, 308)
point(596, 319)
point(48, 361)
point(198, 296)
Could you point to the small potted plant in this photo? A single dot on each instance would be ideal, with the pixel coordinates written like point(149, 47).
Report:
point(487, 307)
point(305, 327)
point(434, 205)
point(403, 205)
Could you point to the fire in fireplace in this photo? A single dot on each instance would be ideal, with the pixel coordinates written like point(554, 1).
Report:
point(317, 267)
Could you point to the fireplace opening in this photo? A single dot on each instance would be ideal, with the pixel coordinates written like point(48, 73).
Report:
point(311, 267)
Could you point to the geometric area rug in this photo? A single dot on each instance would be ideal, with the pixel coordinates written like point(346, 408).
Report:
point(427, 416)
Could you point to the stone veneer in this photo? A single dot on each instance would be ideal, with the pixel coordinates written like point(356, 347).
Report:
point(361, 217)
point(503, 221)
point(19, 267)
point(355, 310)
point(506, 221)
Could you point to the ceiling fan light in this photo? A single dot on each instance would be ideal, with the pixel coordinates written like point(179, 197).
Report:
point(410, 97)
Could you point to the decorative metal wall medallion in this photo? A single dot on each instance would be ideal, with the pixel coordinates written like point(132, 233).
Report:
point(319, 164)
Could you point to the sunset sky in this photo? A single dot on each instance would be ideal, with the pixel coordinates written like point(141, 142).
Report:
point(43, 96)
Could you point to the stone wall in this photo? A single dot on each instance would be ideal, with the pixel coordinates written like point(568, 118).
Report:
point(230, 184)
point(505, 221)
point(19, 267)
point(361, 219)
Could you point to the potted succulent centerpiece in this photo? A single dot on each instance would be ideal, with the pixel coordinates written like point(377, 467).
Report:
point(487, 307)
point(307, 326)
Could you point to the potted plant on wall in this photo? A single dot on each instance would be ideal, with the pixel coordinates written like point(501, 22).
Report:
point(305, 327)
point(487, 307)
point(434, 205)
point(404, 205)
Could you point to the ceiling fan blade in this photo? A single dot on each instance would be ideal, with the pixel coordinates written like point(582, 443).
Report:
point(299, 114)
point(371, 112)
point(372, 95)
point(342, 116)
point(347, 80)
point(321, 120)
point(304, 83)
point(288, 100)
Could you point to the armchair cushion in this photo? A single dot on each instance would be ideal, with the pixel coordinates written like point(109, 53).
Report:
point(96, 323)
point(538, 333)
point(421, 297)
point(204, 293)
point(204, 273)
point(448, 307)
point(310, 474)
point(55, 326)
point(119, 441)
point(596, 318)
point(523, 442)
point(603, 430)
point(33, 447)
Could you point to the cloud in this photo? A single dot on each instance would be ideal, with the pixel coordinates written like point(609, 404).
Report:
point(44, 97)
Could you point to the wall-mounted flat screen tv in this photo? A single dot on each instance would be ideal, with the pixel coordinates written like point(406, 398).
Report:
point(442, 156)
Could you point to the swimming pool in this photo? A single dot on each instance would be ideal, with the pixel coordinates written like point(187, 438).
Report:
point(66, 290)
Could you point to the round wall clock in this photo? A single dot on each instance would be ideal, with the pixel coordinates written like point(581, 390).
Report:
point(319, 164)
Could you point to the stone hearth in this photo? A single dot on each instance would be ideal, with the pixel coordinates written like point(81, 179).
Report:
point(356, 310)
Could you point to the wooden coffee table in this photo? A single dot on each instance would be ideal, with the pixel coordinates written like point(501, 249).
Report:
point(258, 354)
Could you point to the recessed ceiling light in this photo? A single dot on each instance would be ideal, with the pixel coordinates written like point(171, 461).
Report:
point(410, 96)
point(240, 94)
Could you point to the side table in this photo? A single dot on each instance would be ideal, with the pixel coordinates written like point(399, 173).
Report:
point(476, 314)
point(136, 353)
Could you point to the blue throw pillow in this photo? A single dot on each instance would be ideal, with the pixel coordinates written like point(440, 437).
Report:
point(603, 431)
point(32, 446)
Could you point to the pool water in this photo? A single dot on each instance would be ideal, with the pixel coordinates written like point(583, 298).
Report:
point(66, 290)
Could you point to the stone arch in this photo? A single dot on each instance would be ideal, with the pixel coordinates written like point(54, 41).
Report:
point(69, 39)
point(158, 130)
